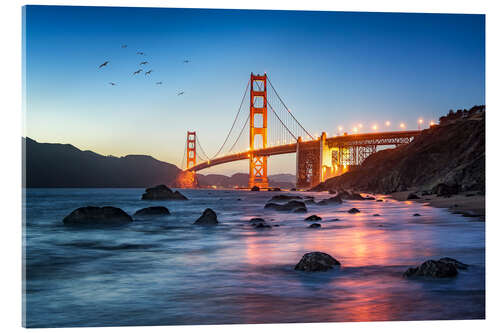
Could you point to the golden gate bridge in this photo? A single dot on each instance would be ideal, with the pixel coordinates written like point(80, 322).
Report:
point(272, 129)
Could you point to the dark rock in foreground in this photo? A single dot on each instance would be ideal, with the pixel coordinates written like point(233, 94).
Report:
point(262, 225)
point(353, 211)
point(156, 210)
point(412, 196)
point(207, 218)
point(284, 197)
point(376, 214)
point(162, 192)
point(316, 262)
point(315, 225)
point(103, 216)
point(442, 268)
point(417, 214)
point(256, 220)
point(255, 189)
point(313, 218)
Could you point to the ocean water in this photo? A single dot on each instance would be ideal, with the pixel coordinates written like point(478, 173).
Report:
point(167, 271)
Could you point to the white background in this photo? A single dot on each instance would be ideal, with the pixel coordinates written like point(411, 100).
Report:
point(11, 120)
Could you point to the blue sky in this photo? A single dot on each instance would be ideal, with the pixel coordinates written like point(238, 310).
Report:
point(331, 68)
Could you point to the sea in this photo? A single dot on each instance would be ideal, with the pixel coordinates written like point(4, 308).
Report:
point(168, 271)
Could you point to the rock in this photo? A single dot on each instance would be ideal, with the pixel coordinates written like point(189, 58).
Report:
point(256, 220)
point(309, 202)
point(102, 216)
point(454, 262)
point(330, 201)
point(276, 189)
point(433, 268)
point(255, 188)
point(162, 192)
point(412, 196)
point(207, 218)
point(261, 225)
point(376, 214)
point(380, 200)
point(349, 195)
point(316, 262)
point(284, 197)
point(353, 211)
point(315, 225)
point(313, 218)
point(334, 220)
point(300, 210)
point(156, 210)
point(292, 205)
point(293, 189)
point(446, 190)
point(425, 193)
point(369, 198)
point(417, 214)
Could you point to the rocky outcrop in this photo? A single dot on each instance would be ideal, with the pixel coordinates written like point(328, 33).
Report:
point(442, 268)
point(162, 192)
point(313, 218)
point(452, 153)
point(256, 220)
point(412, 196)
point(353, 211)
point(330, 201)
point(315, 226)
point(316, 262)
point(207, 218)
point(284, 197)
point(156, 210)
point(443, 190)
point(262, 225)
point(97, 216)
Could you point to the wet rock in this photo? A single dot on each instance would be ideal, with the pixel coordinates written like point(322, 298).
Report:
point(162, 192)
point(315, 225)
point(433, 268)
point(316, 262)
point(442, 189)
point(272, 205)
point(300, 210)
point(207, 218)
point(292, 205)
point(335, 200)
point(417, 214)
point(255, 189)
point(334, 220)
point(256, 220)
point(454, 262)
point(376, 214)
point(412, 196)
point(101, 216)
point(313, 218)
point(369, 198)
point(156, 210)
point(309, 202)
point(262, 225)
point(284, 197)
point(353, 211)
point(380, 200)
point(350, 195)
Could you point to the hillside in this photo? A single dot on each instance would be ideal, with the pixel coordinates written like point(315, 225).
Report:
point(63, 165)
point(452, 153)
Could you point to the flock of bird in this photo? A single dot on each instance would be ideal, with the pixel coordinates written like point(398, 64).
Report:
point(140, 70)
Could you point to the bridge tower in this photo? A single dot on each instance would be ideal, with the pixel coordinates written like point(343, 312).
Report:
point(191, 150)
point(258, 130)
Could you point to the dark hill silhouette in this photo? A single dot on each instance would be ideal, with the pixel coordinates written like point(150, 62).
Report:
point(64, 165)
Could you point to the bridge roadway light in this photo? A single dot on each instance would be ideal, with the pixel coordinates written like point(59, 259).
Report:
point(388, 123)
point(402, 125)
point(374, 127)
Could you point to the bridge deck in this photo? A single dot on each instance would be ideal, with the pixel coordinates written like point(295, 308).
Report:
point(382, 138)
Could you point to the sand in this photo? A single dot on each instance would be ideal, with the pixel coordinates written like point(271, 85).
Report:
point(472, 205)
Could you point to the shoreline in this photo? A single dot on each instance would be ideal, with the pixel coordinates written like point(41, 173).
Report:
point(468, 204)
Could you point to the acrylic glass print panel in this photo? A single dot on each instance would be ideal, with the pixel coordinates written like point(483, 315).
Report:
point(197, 166)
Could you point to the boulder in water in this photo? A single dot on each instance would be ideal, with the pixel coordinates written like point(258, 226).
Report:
point(262, 225)
point(102, 216)
point(300, 210)
point(162, 192)
point(315, 225)
point(417, 214)
point(313, 218)
point(207, 218)
point(353, 211)
point(256, 220)
point(255, 188)
point(292, 205)
point(331, 201)
point(316, 262)
point(442, 268)
point(156, 210)
point(284, 197)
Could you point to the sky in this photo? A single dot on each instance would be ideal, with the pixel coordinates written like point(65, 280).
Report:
point(331, 68)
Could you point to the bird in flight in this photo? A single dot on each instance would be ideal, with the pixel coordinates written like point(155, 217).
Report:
point(187, 61)
point(103, 64)
point(124, 46)
point(112, 83)
point(148, 72)
point(140, 53)
point(180, 93)
point(159, 82)
point(137, 71)
point(144, 63)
